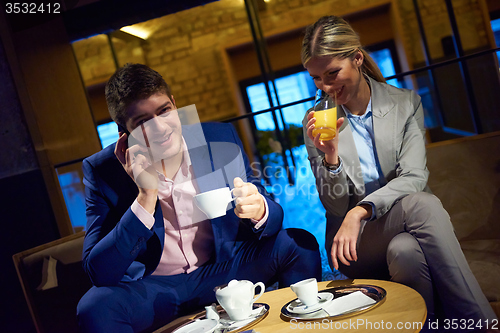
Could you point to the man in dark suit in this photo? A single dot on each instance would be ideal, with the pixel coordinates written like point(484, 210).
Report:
point(149, 251)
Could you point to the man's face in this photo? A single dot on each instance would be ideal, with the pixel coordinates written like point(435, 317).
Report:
point(154, 123)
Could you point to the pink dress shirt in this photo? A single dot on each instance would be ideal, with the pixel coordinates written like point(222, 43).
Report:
point(184, 222)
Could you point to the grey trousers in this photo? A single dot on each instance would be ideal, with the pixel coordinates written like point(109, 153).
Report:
point(414, 244)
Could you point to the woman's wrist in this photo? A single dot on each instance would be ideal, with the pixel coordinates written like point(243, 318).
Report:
point(362, 212)
point(332, 159)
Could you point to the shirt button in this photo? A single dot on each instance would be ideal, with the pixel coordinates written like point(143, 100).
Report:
point(180, 212)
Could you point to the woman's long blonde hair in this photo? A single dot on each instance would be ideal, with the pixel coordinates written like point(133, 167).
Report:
point(332, 36)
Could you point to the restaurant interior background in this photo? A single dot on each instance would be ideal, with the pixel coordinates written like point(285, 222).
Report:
point(217, 55)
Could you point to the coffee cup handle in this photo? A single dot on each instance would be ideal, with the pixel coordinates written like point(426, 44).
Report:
point(262, 288)
point(232, 195)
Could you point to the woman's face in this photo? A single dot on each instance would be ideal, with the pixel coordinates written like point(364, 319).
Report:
point(337, 76)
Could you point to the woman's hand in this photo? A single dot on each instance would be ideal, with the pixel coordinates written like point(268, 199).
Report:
point(344, 243)
point(138, 167)
point(330, 147)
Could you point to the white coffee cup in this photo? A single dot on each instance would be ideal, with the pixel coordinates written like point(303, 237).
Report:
point(306, 291)
point(237, 298)
point(214, 203)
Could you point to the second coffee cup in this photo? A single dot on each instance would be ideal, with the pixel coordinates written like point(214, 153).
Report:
point(306, 291)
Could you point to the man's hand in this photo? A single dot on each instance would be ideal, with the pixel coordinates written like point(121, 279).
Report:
point(138, 167)
point(344, 243)
point(249, 203)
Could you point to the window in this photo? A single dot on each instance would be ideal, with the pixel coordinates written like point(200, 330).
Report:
point(495, 26)
point(384, 60)
point(384, 54)
point(290, 88)
point(299, 85)
point(108, 133)
point(71, 182)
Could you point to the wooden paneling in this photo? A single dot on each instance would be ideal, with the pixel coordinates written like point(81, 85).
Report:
point(373, 27)
point(283, 50)
point(493, 5)
point(53, 101)
point(56, 93)
point(97, 102)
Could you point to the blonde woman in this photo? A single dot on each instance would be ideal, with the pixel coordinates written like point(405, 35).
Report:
point(382, 221)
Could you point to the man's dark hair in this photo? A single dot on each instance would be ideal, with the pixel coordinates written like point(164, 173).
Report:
point(130, 83)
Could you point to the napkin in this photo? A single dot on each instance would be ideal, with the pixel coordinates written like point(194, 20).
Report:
point(347, 303)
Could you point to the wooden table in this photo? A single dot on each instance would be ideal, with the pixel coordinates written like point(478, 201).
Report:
point(402, 311)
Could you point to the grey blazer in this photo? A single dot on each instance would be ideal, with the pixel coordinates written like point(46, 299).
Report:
point(398, 124)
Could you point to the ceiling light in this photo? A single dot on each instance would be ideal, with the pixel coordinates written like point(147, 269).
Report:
point(138, 32)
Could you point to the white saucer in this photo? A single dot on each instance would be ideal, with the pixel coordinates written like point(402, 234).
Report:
point(299, 308)
point(199, 326)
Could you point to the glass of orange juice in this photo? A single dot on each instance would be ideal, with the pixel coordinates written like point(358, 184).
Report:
point(325, 113)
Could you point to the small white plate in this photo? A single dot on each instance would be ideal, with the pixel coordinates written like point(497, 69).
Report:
point(228, 325)
point(199, 326)
point(299, 308)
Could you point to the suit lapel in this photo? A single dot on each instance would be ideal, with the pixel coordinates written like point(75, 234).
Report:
point(384, 123)
point(159, 226)
point(201, 168)
point(199, 154)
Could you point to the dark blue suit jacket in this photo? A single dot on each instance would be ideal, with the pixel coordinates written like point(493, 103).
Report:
point(118, 247)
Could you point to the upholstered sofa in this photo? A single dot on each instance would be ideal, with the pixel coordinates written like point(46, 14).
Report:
point(53, 282)
point(465, 176)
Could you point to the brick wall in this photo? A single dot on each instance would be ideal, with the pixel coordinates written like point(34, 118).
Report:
point(94, 59)
point(186, 47)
